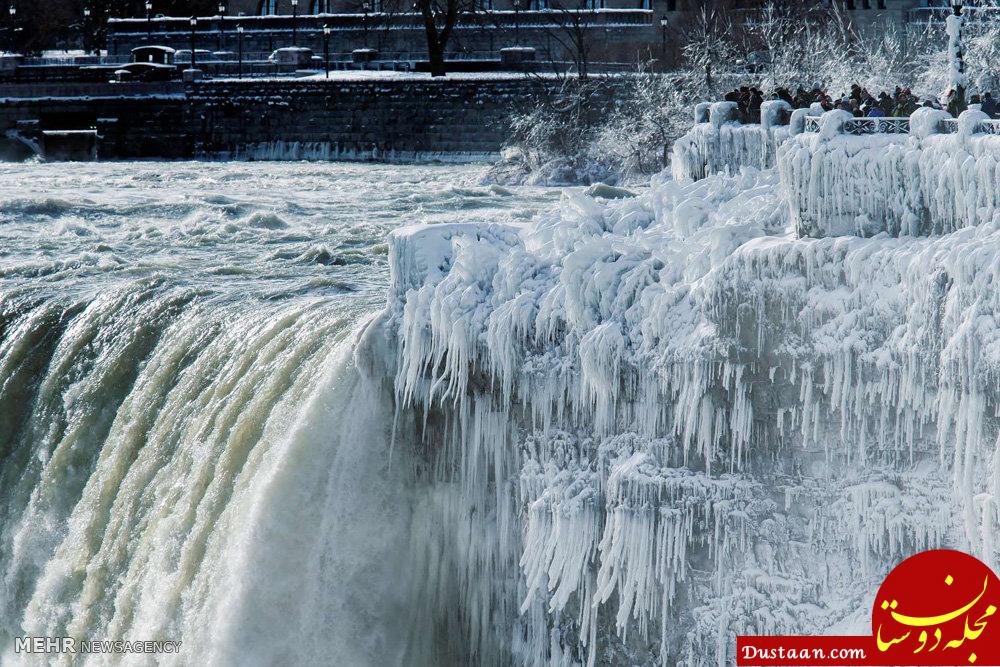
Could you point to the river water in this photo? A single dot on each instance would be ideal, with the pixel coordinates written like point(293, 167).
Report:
point(187, 449)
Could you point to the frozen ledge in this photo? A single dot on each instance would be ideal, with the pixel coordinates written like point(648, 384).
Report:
point(422, 255)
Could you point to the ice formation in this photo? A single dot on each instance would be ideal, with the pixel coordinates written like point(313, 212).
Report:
point(657, 422)
point(957, 77)
point(920, 183)
point(718, 142)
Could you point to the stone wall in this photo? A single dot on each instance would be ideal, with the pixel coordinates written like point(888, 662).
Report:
point(127, 124)
point(359, 118)
point(278, 119)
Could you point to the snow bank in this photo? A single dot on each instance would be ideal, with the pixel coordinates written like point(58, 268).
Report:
point(654, 423)
point(917, 184)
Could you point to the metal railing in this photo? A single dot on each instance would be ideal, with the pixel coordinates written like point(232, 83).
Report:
point(870, 126)
point(865, 126)
point(950, 126)
point(78, 60)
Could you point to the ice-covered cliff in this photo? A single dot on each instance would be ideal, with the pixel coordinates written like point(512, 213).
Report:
point(650, 424)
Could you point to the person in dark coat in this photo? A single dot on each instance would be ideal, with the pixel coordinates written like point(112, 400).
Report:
point(990, 105)
point(885, 103)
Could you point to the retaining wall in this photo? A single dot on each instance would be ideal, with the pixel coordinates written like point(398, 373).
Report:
point(281, 119)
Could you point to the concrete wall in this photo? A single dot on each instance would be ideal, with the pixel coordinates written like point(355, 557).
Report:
point(282, 119)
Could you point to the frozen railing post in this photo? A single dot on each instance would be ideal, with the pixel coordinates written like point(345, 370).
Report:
point(721, 113)
point(775, 113)
point(926, 122)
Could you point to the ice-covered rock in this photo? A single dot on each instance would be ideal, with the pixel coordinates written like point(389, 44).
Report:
point(658, 422)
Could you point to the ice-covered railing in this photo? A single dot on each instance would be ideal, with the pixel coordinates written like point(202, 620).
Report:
point(720, 142)
point(863, 126)
point(929, 174)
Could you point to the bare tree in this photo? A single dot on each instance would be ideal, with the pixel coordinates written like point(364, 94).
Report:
point(440, 18)
point(572, 31)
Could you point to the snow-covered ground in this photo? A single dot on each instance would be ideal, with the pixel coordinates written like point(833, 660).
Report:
point(653, 423)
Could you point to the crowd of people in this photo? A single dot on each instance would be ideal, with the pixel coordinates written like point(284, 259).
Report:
point(858, 101)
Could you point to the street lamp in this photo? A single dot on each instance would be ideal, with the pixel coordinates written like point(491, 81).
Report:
point(956, 56)
point(149, 19)
point(86, 28)
point(295, 21)
point(222, 26)
point(194, 27)
point(326, 49)
point(13, 30)
point(239, 32)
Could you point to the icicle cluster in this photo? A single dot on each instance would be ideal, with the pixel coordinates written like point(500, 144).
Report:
point(917, 184)
point(653, 423)
point(722, 144)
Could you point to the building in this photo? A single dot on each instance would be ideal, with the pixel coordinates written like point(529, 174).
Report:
point(862, 9)
point(613, 33)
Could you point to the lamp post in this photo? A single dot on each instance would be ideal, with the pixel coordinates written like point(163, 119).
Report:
point(194, 27)
point(957, 79)
point(239, 41)
point(13, 28)
point(222, 25)
point(295, 22)
point(86, 29)
point(365, 8)
point(326, 49)
point(517, 22)
point(664, 22)
point(149, 19)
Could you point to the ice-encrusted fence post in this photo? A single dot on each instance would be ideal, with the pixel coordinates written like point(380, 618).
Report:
point(797, 122)
point(958, 80)
point(720, 113)
point(775, 113)
point(926, 122)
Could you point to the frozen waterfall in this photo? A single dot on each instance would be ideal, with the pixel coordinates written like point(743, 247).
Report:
point(617, 432)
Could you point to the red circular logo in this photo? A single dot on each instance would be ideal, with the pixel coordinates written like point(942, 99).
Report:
point(938, 607)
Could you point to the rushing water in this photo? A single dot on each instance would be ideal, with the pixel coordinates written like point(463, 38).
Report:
point(188, 449)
